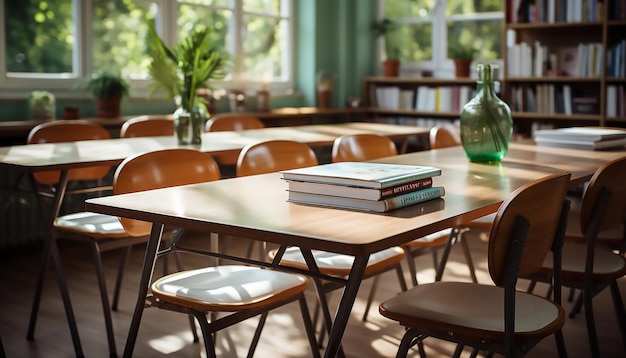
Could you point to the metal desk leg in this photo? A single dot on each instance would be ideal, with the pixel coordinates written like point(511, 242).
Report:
point(346, 304)
point(154, 242)
point(51, 250)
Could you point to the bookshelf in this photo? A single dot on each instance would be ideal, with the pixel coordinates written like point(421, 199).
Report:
point(564, 63)
point(413, 99)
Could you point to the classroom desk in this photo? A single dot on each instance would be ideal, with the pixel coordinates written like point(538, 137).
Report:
point(236, 207)
point(65, 156)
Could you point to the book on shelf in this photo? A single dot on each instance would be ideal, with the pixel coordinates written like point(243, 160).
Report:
point(362, 174)
point(384, 205)
point(358, 192)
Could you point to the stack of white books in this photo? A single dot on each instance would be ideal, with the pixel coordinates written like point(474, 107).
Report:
point(590, 138)
point(363, 185)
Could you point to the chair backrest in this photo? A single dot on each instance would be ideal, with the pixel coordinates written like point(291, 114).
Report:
point(444, 136)
point(273, 156)
point(539, 204)
point(68, 131)
point(147, 126)
point(610, 177)
point(232, 123)
point(362, 147)
point(161, 169)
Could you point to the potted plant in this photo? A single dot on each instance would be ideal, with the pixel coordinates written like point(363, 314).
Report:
point(41, 105)
point(183, 69)
point(386, 28)
point(109, 87)
point(462, 55)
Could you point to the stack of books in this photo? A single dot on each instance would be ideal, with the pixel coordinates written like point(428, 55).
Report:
point(590, 138)
point(363, 185)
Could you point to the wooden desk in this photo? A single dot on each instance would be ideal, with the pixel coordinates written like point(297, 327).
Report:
point(238, 208)
point(65, 156)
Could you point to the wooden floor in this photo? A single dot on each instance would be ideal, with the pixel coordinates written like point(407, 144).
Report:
point(164, 333)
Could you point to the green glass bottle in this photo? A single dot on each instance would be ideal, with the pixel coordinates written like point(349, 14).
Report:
point(486, 123)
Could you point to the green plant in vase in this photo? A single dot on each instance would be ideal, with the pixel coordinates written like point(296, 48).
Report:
point(462, 55)
point(109, 88)
point(42, 105)
point(387, 29)
point(180, 71)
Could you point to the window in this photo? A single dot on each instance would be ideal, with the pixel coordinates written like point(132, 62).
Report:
point(64, 40)
point(426, 28)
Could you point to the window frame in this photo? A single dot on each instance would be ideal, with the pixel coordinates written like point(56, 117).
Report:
point(12, 85)
point(440, 65)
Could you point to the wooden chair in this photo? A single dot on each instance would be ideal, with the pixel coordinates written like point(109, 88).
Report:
point(100, 232)
point(590, 266)
point(197, 292)
point(363, 147)
point(231, 122)
point(498, 319)
point(147, 126)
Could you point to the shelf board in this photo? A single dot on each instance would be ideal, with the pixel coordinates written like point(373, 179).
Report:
point(617, 80)
point(549, 25)
point(556, 79)
point(421, 81)
point(556, 116)
point(412, 113)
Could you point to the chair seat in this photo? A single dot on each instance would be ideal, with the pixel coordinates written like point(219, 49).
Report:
point(472, 311)
point(92, 225)
point(606, 263)
point(435, 239)
point(330, 263)
point(228, 288)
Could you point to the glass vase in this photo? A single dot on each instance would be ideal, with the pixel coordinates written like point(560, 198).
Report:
point(486, 123)
point(189, 125)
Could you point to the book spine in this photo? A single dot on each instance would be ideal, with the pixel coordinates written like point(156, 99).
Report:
point(408, 179)
point(406, 188)
point(414, 197)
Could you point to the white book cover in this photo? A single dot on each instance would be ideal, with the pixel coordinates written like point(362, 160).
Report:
point(362, 174)
point(584, 134)
point(573, 144)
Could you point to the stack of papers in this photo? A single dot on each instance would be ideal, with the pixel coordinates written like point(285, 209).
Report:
point(362, 185)
point(590, 138)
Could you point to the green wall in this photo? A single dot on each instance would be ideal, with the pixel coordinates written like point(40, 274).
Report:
point(331, 36)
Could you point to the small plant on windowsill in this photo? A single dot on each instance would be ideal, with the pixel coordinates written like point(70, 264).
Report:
point(462, 55)
point(109, 88)
point(387, 29)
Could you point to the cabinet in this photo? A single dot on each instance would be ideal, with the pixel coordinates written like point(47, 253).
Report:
point(564, 63)
point(423, 101)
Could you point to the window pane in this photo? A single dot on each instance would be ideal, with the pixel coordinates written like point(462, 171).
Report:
point(270, 7)
point(262, 48)
point(224, 3)
point(119, 31)
point(398, 9)
point(455, 7)
point(415, 42)
point(484, 36)
point(41, 38)
point(196, 17)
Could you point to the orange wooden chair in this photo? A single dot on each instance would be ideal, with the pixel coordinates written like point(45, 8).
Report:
point(199, 292)
point(497, 318)
point(148, 126)
point(231, 122)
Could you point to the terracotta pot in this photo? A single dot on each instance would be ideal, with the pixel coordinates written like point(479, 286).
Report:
point(108, 107)
point(391, 68)
point(462, 67)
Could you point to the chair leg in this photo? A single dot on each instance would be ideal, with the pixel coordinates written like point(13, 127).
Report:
point(308, 325)
point(560, 344)
point(468, 258)
point(257, 335)
point(209, 344)
point(619, 311)
point(370, 297)
point(411, 337)
point(411, 264)
point(192, 327)
point(104, 298)
point(578, 304)
point(120, 274)
point(591, 325)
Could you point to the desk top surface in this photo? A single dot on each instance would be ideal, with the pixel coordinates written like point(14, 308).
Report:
point(68, 155)
point(257, 207)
